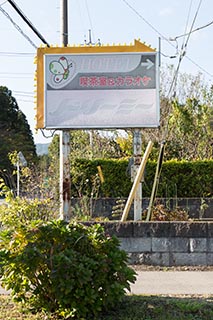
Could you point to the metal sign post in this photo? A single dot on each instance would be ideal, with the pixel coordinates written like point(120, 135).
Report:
point(137, 141)
point(21, 161)
point(65, 183)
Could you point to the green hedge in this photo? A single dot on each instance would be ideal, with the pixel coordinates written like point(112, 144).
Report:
point(178, 178)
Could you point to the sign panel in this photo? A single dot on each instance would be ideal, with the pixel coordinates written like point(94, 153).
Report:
point(101, 90)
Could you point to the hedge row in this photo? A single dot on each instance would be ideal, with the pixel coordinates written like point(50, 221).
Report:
point(178, 178)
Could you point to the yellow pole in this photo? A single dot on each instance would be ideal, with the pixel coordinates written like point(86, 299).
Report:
point(137, 181)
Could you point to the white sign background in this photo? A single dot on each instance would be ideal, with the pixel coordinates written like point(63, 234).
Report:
point(68, 104)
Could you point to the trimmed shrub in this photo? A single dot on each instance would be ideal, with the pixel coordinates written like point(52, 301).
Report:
point(68, 269)
point(178, 178)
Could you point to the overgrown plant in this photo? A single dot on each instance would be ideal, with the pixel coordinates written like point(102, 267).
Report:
point(83, 209)
point(162, 213)
point(16, 210)
point(118, 208)
point(68, 269)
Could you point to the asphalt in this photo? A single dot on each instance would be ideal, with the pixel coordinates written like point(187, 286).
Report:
point(173, 283)
point(170, 283)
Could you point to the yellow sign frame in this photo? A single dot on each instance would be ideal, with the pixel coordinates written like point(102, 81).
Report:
point(41, 52)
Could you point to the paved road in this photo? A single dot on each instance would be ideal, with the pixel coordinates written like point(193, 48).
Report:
point(171, 283)
point(174, 282)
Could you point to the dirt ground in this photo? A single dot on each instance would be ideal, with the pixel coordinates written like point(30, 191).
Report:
point(141, 267)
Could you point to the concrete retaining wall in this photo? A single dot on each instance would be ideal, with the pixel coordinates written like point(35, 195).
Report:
point(197, 208)
point(165, 243)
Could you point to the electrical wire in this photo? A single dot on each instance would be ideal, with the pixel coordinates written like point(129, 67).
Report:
point(28, 22)
point(23, 100)
point(17, 27)
point(17, 73)
point(90, 20)
point(14, 77)
point(170, 39)
point(24, 93)
point(146, 21)
point(52, 132)
point(195, 30)
point(187, 22)
point(16, 54)
point(193, 22)
point(172, 91)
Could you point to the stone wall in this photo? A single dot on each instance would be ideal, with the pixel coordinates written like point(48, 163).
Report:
point(165, 243)
point(197, 208)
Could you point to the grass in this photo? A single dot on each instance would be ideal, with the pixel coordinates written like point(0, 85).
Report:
point(134, 307)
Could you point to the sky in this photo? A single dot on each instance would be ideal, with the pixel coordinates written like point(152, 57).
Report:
point(111, 22)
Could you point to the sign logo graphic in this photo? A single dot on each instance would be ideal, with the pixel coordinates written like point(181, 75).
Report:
point(61, 69)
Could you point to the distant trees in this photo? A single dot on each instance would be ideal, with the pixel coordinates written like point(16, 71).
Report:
point(15, 134)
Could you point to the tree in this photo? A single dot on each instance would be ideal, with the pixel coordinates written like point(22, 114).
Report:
point(185, 122)
point(15, 134)
point(190, 131)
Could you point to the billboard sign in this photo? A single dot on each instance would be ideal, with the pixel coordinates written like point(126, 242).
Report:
point(100, 90)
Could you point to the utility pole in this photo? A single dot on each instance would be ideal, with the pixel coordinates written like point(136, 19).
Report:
point(65, 183)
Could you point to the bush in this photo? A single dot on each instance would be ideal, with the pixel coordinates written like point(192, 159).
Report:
point(69, 269)
point(116, 182)
point(16, 211)
point(161, 213)
point(182, 179)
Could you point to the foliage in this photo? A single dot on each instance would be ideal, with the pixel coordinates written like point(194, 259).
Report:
point(36, 181)
point(89, 144)
point(115, 182)
point(125, 142)
point(39, 181)
point(68, 269)
point(161, 308)
point(162, 213)
point(186, 179)
point(17, 211)
point(15, 134)
point(189, 130)
point(178, 178)
point(134, 307)
point(83, 209)
point(118, 208)
point(185, 122)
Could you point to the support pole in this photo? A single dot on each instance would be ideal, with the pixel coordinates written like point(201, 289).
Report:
point(137, 142)
point(156, 181)
point(18, 178)
point(65, 183)
point(137, 181)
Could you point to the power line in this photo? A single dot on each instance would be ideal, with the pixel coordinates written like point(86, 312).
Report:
point(24, 100)
point(14, 77)
point(17, 27)
point(146, 21)
point(17, 73)
point(23, 93)
point(90, 20)
point(195, 30)
point(183, 47)
point(175, 77)
point(170, 39)
point(193, 22)
point(28, 22)
point(16, 54)
point(187, 21)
